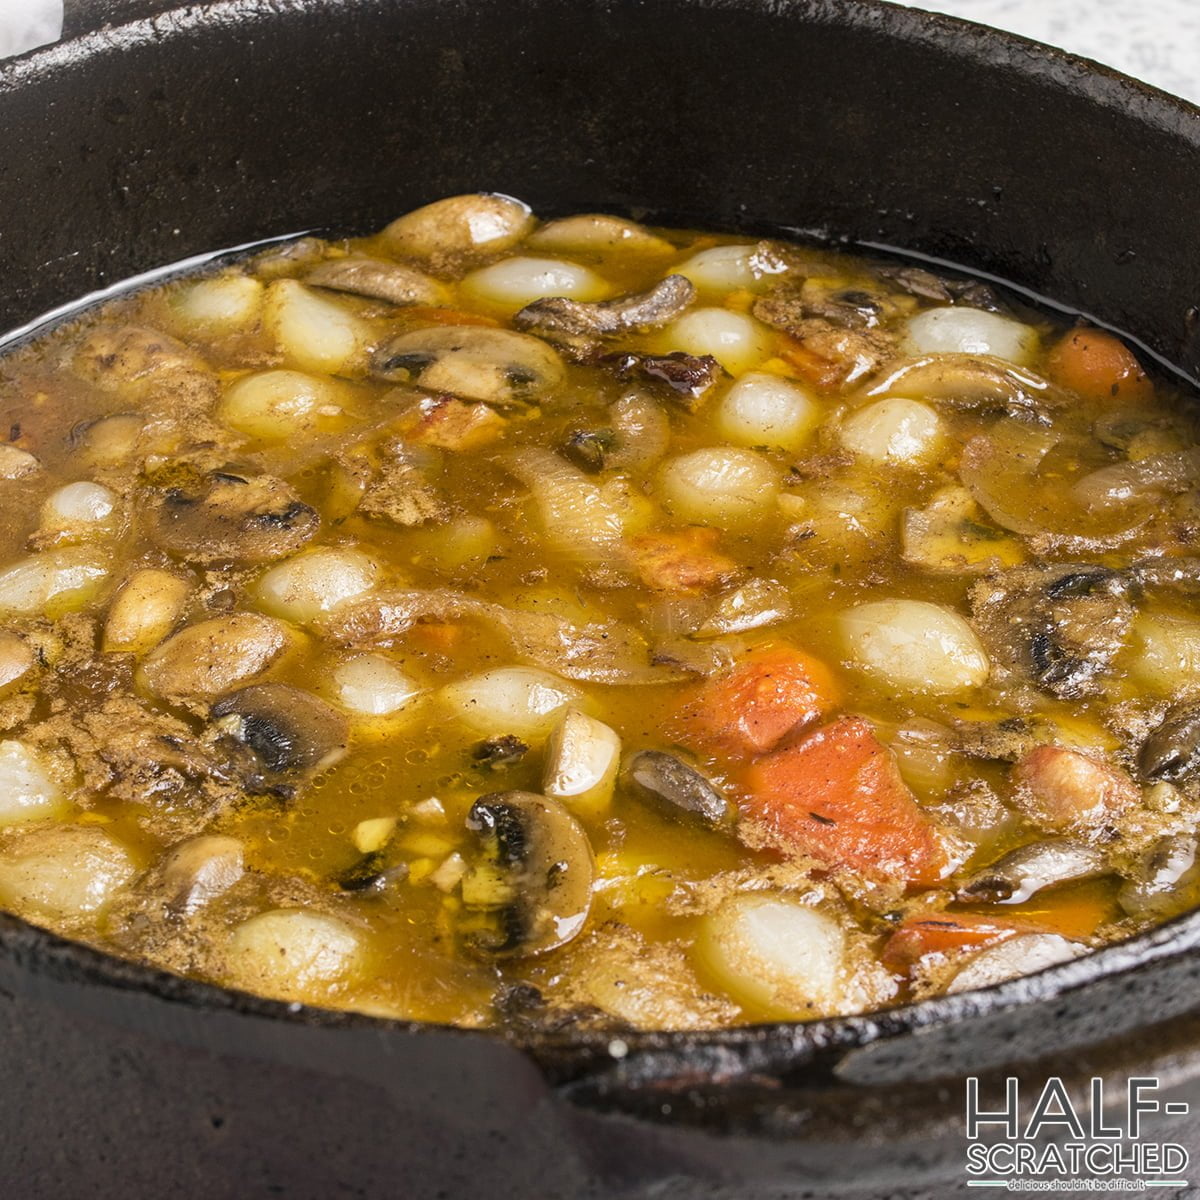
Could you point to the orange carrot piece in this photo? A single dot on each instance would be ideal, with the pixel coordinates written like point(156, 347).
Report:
point(838, 795)
point(814, 369)
point(943, 934)
point(680, 560)
point(438, 637)
point(447, 316)
point(1098, 367)
point(753, 707)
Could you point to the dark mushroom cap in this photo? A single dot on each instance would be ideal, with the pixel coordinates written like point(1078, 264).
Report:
point(675, 787)
point(1171, 753)
point(287, 728)
point(529, 889)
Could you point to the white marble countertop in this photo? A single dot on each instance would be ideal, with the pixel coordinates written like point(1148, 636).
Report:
point(1154, 40)
point(1157, 41)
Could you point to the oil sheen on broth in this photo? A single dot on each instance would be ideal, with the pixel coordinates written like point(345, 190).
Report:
point(571, 623)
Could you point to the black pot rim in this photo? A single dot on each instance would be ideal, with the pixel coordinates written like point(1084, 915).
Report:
point(65, 960)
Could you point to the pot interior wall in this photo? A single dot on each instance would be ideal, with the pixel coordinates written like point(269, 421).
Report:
point(218, 125)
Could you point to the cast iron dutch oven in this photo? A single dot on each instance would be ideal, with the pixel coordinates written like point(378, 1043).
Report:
point(153, 132)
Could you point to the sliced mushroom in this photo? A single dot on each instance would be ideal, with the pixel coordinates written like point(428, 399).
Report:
point(1021, 955)
point(589, 449)
point(213, 656)
point(377, 279)
point(499, 753)
point(651, 309)
point(459, 227)
point(287, 728)
point(197, 871)
point(236, 517)
point(1171, 753)
point(1163, 882)
point(1059, 627)
point(473, 362)
point(976, 383)
point(374, 872)
point(675, 787)
point(528, 888)
point(916, 281)
point(1024, 872)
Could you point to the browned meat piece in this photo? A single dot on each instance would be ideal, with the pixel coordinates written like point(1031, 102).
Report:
point(686, 378)
point(401, 493)
point(451, 424)
point(126, 751)
point(153, 370)
point(1057, 627)
point(682, 560)
point(1067, 791)
point(236, 517)
point(847, 308)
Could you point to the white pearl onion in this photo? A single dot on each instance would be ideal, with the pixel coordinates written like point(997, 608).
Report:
point(274, 405)
point(303, 588)
point(893, 430)
point(27, 793)
point(736, 341)
point(721, 269)
point(78, 504)
point(291, 952)
point(766, 410)
point(63, 873)
point(522, 701)
point(61, 580)
point(374, 686)
point(723, 486)
point(914, 646)
point(314, 333)
point(220, 305)
point(514, 282)
point(961, 330)
point(775, 954)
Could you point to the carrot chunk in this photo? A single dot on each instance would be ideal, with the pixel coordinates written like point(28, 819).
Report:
point(680, 560)
point(838, 795)
point(944, 934)
point(753, 707)
point(1098, 367)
